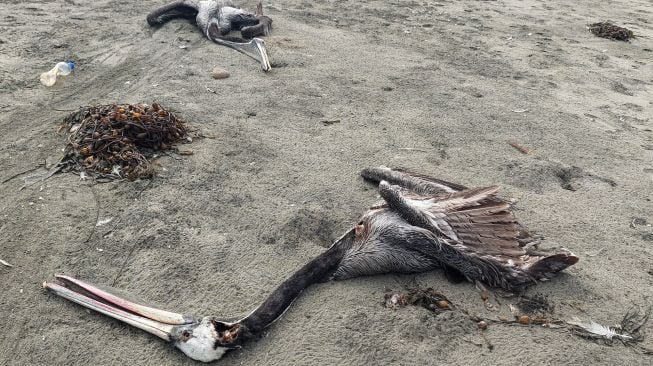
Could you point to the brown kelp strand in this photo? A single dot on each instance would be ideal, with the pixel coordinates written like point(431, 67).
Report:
point(116, 141)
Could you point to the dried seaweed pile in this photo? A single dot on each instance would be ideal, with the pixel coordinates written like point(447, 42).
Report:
point(115, 141)
point(611, 31)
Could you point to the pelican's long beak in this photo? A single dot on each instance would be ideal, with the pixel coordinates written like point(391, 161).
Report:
point(155, 321)
point(262, 52)
point(255, 49)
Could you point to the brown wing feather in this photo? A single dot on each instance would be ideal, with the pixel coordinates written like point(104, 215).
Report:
point(487, 209)
point(494, 210)
point(482, 222)
point(489, 230)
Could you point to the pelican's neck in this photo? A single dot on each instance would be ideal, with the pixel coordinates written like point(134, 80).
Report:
point(282, 297)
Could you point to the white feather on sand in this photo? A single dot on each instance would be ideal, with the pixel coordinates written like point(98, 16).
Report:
point(600, 330)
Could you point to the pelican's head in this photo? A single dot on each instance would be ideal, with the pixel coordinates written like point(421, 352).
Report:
point(203, 340)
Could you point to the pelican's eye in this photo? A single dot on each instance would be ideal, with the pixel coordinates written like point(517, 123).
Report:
point(185, 336)
point(359, 229)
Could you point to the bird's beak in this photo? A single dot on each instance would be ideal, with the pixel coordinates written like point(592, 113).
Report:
point(255, 49)
point(263, 54)
point(161, 323)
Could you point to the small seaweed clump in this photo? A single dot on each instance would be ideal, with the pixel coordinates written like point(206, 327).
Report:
point(611, 31)
point(426, 298)
point(536, 304)
point(115, 141)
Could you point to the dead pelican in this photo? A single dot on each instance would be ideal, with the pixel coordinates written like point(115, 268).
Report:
point(216, 18)
point(423, 224)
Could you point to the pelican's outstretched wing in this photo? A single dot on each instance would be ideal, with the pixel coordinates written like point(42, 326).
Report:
point(424, 185)
point(475, 230)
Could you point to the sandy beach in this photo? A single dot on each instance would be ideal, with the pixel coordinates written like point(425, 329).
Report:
point(439, 87)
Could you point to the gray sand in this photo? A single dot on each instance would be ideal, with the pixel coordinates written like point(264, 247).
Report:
point(215, 232)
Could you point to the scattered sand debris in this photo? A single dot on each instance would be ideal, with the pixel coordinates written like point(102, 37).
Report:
point(104, 221)
point(114, 141)
point(611, 31)
point(328, 122)
point(639, 221)
point(538, 311)
point(412, 149)
point(426, 298)
point(518, 147)
point(185, 152)
point(595, 253)
point(532, 311)
point(518, 320)
point(5, 263)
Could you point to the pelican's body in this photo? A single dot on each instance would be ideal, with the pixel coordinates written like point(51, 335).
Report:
point(423, 224)
point(216, 19)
